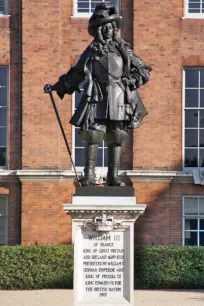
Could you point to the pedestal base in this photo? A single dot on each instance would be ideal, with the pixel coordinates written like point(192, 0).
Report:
point(103, 237)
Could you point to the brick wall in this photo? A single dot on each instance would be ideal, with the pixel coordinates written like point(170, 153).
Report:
point(49, 49)
point(52, 42)
point(168, 43)
point(44, 220)
point(43, 217)
point(161, 223)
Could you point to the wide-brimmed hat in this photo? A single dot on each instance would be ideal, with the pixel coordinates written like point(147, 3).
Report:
point(104, 13)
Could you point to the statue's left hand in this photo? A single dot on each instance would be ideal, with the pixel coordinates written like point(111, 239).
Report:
point(47, 88)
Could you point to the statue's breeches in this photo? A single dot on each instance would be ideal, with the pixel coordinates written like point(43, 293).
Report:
point(109, 131)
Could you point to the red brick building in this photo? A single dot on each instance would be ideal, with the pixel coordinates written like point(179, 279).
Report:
point(40, 40)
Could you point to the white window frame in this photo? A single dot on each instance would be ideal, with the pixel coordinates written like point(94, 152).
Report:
point(5, 215)
point(192, 15)
point(88, 15)
point(101, 169)
point(189, 169)
point(198, 217)
point(5, 8)
point(6, 166)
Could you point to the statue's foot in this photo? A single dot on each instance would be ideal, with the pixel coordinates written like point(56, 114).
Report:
point(114, 181)
point(87, 181)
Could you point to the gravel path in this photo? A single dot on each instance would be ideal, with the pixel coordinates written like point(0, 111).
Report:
point(65, 298)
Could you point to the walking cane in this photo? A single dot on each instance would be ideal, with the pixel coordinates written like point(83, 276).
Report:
point(48, 89)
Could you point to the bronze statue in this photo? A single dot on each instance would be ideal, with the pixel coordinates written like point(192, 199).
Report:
point(110, 106)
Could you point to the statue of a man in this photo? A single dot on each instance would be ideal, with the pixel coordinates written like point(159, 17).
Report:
point(110, 105)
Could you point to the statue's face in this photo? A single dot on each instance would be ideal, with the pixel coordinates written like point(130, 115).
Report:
point(107, 30)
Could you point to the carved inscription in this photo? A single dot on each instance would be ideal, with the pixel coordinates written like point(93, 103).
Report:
point(103, 264)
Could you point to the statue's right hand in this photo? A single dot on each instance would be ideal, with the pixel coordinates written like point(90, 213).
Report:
point(47, 88)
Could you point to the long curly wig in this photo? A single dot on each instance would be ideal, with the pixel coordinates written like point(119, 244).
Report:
point(99, 46)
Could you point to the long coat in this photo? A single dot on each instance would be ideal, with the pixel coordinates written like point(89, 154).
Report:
point(109, 88)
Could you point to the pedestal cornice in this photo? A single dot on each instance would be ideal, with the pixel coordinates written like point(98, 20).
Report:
point(91, 211)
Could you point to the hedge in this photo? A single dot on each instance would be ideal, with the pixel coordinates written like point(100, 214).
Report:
point(36, 267)
point(39, 267)
point(169, 267)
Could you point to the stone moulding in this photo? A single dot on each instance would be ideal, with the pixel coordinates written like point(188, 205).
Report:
point(29, 175)
point(91, 212)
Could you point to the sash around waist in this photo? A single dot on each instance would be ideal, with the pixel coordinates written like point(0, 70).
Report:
point(108, 81)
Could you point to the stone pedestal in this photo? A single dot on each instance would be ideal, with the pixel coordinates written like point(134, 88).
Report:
point(103, 238)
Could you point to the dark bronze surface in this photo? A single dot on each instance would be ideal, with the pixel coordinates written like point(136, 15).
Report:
point(105, 191)
point(110, 106)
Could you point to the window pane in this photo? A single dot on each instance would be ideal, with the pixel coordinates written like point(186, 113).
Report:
point(201, 224)
point(78, 98)
point(3, 76)
point(191, 224)
point(94, 2)
point(191, 99)
point(201, 206)
point(99, 162)
point(202, 98)
point(3, 96)
point(3, 116)
point(83, 10)
point(202, 78)
point(2, 157)
point(79, 157)
point(191, 206)
point(191, 138)
point(201, 118)
point(3, 132)
point(83, 5)
point(201, 138)
point(190, 238)
point(78, 141)
point(194, 5)
point(191, 158)
point(194, 11)
point(191, 118)
point(2, 239)
point(201, 238)
point(192, 78)
point(201, 163)
point(2, 225)
point(2, 205)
